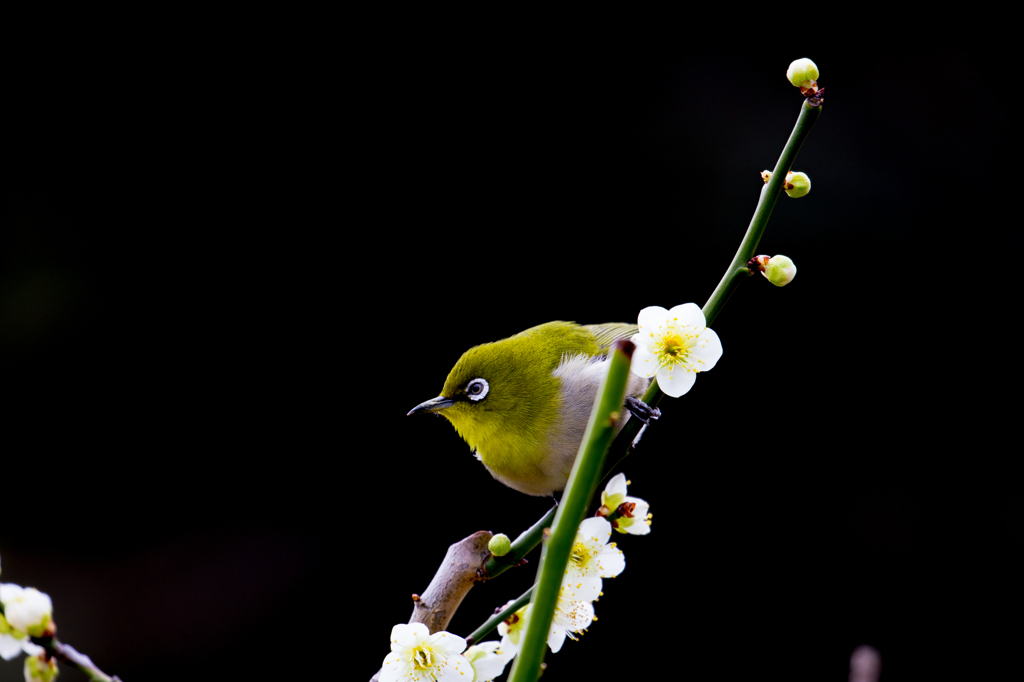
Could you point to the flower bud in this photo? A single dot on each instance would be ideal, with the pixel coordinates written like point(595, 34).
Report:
point(37, 669)
point(802, 73)
point(780, 270)
point(766, 175)
point(500, 545)
point(797, 184)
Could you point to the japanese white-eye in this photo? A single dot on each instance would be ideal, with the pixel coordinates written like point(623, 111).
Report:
point(523, 403)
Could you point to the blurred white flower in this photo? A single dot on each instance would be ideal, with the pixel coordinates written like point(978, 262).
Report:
point(26, 609)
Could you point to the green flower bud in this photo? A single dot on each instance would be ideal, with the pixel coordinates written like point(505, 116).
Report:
point(39, 670)
point(780, 270)
point(500, 545)
point(802, 73)
point(797, 184)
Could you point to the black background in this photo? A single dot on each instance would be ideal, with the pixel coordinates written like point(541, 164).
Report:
point(225, 280)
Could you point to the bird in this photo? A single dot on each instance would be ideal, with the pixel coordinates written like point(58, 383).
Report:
point(523, 403)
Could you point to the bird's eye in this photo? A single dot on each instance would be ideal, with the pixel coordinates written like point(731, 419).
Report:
point(477, 389)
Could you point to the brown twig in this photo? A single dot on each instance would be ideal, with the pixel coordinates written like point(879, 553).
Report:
point(453, 580)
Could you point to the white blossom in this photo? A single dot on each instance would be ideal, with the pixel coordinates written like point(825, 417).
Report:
point(628, 514)
point(592, 557)
point(674, 345)
point(418, 656)
point(512, 628)
point(571, 617)
point(488, 660)
point(26, 609)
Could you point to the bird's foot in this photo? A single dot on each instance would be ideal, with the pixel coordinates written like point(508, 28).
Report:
point(642, 410)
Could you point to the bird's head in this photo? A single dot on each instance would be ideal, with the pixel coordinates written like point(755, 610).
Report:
point(502, 389)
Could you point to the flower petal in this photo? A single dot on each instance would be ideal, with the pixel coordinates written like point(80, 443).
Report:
point(31, 649)
point(10, 592)
point(556, 638)
point(644, 362)
point(454, 669)
point(611, 562)
point(617, 485)
point(676, 380)
point(447, 642)
point(594, 531)
point(407, 636)
point(580, 615)
point(639, 527)
point(9, 647)
point(706, 352)
point(581, 588)
point(393, 668)
point(488, 667)
point(688, 314)
point(650, 320)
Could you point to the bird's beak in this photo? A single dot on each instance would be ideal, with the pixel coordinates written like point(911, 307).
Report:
point(433, 405)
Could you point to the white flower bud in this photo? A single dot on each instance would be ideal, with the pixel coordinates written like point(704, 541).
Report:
point(802, 73)
point(780, 270)
point(39, 670)
point(766, 175)
point(500, 545)
point(797, 184)
point(26, 609)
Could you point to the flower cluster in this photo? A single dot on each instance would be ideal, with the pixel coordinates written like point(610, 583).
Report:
point(416, 655)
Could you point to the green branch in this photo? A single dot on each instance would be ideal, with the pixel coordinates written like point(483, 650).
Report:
point(521, 546)
point(494, 620)
point(737, 270)
point(736, 273)
point(586, 471)
point(769, 195)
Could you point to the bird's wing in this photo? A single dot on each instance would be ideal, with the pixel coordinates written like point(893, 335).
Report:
point(610, 332)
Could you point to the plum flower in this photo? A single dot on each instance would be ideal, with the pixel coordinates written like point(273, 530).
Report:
point(627, 514)
point(488, 660)
point(14, 639)
point(418, 656)
point(573, 613)
point(592, 558)
point(512, 628)
point(12, 642)
point(674, 345)
point(572, 616)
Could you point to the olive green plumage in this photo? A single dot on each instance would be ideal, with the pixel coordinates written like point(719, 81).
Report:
point(522, 403)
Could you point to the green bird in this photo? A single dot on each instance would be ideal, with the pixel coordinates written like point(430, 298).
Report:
point(523, 403)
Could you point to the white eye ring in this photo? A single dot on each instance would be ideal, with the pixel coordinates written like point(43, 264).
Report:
point(479, 385)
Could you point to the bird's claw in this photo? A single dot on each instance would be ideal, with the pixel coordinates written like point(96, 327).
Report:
point(642, 410)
